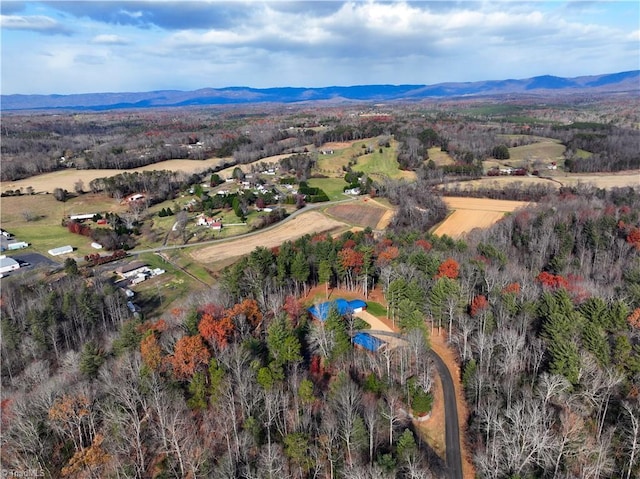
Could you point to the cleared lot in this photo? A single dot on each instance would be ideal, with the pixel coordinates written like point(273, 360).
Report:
point(471, 213)
point(307, 223)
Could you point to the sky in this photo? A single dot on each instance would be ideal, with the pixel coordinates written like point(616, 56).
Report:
point(65, 47)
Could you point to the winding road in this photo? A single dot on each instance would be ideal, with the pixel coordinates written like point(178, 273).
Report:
point(453, 451)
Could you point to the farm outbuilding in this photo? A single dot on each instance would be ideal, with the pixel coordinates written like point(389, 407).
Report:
point(13, 245)
point(8, 264)
point(367, 341)
point(343, 306)
point(61, 250)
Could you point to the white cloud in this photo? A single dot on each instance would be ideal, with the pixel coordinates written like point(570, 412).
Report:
point(291, 43)
point(36, 23)
point(109, 39)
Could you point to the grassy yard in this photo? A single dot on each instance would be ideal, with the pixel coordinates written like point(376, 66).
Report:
point(439, 157)
point(155, 294)
point(331, 186)
point(376, 309)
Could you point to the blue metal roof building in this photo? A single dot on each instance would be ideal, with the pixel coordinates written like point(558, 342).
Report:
point(368, 342)
point(344, 307)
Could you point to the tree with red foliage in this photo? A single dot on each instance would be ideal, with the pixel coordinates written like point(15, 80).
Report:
point(449, 269)
point(388, 255)
point(351, 259)
point(189, 355)
point(511, 288)
point(349, 244)
point(478, 304)
point(216, 331)
point(633, 237)
point(293, 308)
point(424, 244)
point(553, 281)
point(351, 262)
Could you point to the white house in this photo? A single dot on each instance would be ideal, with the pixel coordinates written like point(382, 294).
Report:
point(208, 221)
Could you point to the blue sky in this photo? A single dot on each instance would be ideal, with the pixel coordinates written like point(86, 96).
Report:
point(116, 46)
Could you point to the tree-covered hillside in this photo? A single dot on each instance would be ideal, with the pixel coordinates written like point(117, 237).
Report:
point(543, 310)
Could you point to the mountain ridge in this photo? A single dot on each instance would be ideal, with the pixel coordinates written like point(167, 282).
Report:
point(543, 84)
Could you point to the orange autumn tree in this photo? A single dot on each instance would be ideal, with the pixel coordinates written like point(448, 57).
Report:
point(69, 415)
point(91, 458)
point(449, 269)
point(634, 319)
point(216, 331)
point(189, 354)
point(151, 352)
point(387, 255)
point(247, 310)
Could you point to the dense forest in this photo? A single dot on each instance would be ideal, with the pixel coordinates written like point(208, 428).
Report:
point(543, 310)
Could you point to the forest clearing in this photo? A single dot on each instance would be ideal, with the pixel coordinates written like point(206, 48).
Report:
point(471, 213)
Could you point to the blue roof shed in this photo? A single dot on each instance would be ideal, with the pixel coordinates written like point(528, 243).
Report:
point(344, 307)
point(368, 342)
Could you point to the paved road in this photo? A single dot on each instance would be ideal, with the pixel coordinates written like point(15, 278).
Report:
point(308, 207)
point(452, 430)
point(453, 452)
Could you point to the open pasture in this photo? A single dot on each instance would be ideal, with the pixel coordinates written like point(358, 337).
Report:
point(380, 165)
point(66, 179)
point(554, 178)
point(545, 151)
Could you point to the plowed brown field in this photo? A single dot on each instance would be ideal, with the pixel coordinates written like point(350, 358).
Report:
point(307, 223)
point(471, 213)
point(358, 214)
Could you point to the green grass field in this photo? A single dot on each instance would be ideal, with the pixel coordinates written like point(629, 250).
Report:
point(333, 187)
point(376, 309)
point(381, 165)
point(331, 165)
point(440, 157)
point(583, 153)
point(545, 151)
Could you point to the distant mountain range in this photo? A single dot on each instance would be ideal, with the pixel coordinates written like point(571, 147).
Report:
point(541, 85)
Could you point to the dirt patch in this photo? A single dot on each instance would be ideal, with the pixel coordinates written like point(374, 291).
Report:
point(472, 213)
point(461, 222)
point(358, 214)
point(306, 223)
point(385, 220)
